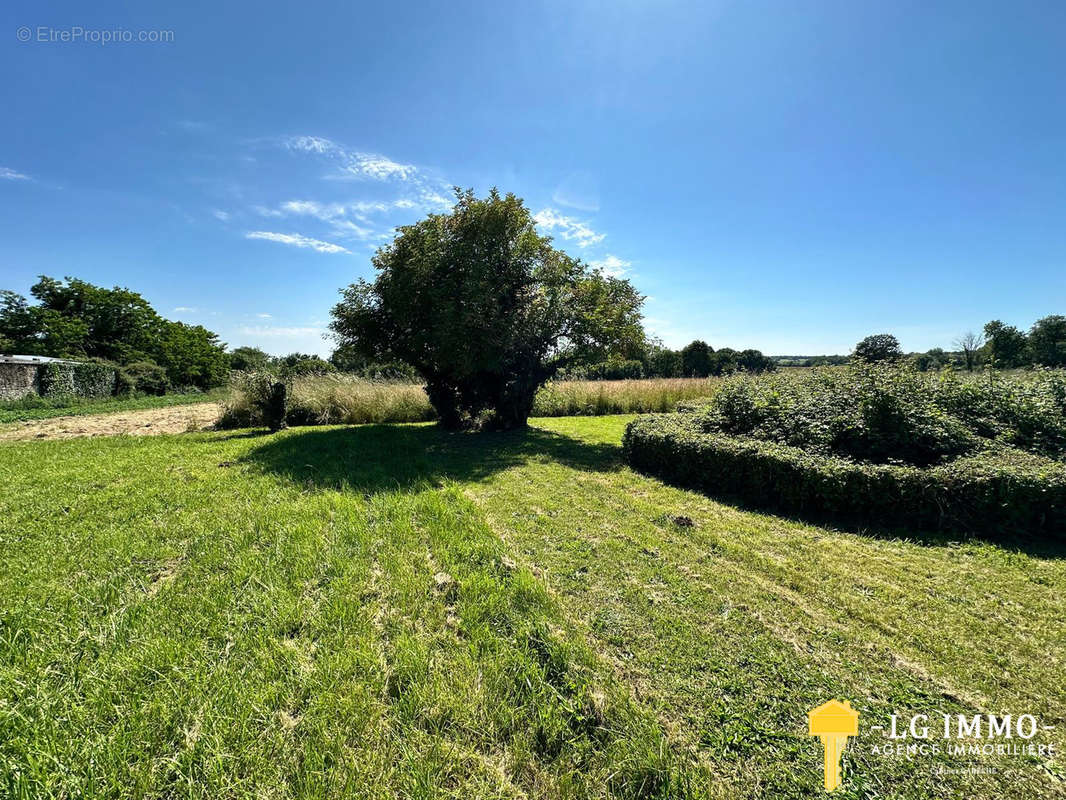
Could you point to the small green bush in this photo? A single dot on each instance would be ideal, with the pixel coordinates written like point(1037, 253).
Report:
point(249, 397)
point(994, 491)
point(146, 377)
point(125, 384)
point(308, 365)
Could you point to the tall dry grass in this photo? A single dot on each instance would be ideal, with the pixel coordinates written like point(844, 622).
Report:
point(346, 400)
point(596, 398)
point(327, 400)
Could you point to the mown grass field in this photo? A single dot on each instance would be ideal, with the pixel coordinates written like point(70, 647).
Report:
point(394, 611)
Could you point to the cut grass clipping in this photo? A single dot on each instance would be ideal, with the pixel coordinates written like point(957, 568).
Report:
point(34, 407)
point(289, 641)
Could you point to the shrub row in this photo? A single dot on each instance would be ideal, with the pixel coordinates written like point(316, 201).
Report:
point(999, 490)
point(612, 370)
point(78, 380)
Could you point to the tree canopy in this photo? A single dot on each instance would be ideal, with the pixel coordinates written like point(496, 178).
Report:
point(879, 347)
point(1047, 340)
point(1006, 344)
point(75, 319)
point(486, 310)
point(696, 359)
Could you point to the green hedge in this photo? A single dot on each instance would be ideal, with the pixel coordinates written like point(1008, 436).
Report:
point(999, 490)
point(77, 380)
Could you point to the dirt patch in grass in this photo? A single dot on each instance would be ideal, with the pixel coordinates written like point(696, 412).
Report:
point(146, 422)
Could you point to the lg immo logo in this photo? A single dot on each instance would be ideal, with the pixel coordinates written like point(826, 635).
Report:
point(834, 722)
point(962, 736)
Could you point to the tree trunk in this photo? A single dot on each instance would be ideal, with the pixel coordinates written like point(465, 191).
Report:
point(515, 404)
point(277, 407)
point(445, 401)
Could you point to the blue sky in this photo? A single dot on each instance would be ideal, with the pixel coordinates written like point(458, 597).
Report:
point(781, 175)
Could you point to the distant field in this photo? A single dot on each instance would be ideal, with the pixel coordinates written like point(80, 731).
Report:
point(395, 611)
point(41, 408)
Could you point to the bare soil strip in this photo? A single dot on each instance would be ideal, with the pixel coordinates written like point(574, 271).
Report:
point(146, 422)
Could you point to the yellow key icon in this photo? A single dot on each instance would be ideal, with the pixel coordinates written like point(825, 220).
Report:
point(833, 722)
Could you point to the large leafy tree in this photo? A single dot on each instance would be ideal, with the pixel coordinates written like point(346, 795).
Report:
point(1007, 346)
point(755, 361)
point(662, 362)
point(696, 359)
point(879, 347)
point(191, 354)
point(1047, 341)
point(486, 310)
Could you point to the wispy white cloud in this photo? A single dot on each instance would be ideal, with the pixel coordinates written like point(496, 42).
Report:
point(347, 220)
point(578, 190)
point(324, 211)
point(378, 167)
point(434, 200)
point(297, 240)
point(312, 144)
point(279, 330)
point(219, 214)
point(345, 228)
point(264, 316)
point(569, 228)
point(353, 163)
point(612, 265)
point(184, 310)
point(8, 174)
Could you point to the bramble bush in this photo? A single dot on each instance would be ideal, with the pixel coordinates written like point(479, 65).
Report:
point(1028, 413)
point(866, 413)
point(878, 444)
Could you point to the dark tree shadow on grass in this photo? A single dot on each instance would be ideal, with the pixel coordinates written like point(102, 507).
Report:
point(1048, 544)
point(370, 458)
point(373, 458)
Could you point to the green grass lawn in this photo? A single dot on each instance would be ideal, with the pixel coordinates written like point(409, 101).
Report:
point(395, 611)
point(43, 408)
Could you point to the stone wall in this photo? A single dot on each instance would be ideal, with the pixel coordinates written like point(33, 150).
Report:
point(17, 380)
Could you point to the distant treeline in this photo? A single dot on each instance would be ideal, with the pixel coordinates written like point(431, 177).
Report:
point(998, 345)
point(252, 359)
point(697, 359)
